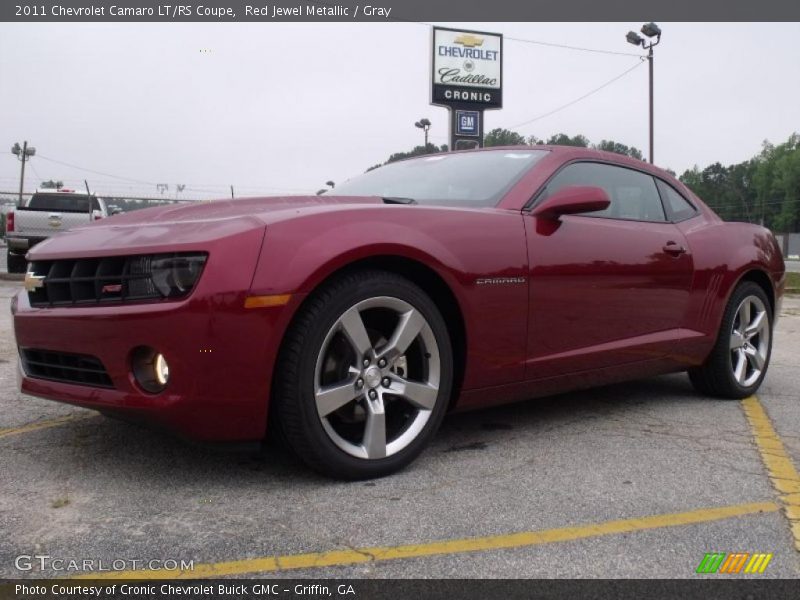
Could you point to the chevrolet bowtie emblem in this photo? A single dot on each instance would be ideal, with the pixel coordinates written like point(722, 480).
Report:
point(469, 41)
point(33, 282)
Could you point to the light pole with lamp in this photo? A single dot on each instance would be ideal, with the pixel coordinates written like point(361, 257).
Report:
point(651, 30)
point(425, 125)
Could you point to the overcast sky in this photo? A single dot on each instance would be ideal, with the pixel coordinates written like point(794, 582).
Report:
point(274, 108)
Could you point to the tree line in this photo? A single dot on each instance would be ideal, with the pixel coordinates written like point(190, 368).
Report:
point(764, 189)
point(506, 137)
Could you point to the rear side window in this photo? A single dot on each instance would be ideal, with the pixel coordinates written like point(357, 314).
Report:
point(678, 207)
point(62, 202)
point(633, 194)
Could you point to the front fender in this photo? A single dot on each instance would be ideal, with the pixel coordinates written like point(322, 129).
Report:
point(298, 256)
point(460, 246)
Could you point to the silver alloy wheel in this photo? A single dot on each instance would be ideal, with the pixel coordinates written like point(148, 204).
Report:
point(749, 341)
point(380, 377)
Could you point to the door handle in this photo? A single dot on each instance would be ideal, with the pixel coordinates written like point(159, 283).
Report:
point(674, 249)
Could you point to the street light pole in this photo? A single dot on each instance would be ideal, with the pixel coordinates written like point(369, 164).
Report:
point(650, 60)
point(425, 125)
point(24, 154)
point(651, 30)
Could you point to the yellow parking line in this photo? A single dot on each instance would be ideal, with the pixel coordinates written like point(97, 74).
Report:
point(782, 472)
point(46, 424)
point(338, 558)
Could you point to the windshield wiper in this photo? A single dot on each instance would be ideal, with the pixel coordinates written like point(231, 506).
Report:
point(398, 200)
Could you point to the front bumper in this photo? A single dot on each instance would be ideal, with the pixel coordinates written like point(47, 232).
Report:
point(20, 244)
point(220, 357)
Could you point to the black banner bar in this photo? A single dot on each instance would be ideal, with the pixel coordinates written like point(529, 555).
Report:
point(399, 589)
point(32, 11)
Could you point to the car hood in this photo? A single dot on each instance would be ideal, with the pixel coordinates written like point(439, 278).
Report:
point(184, 226)
point(265, 209)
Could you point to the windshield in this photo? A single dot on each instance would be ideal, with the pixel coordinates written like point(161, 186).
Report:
point(470, 179)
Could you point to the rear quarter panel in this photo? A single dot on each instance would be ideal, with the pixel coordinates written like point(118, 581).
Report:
point(724, 253)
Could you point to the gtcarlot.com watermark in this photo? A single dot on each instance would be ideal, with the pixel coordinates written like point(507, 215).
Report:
point(45, 562)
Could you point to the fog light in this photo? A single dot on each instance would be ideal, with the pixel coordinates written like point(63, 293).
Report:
point(150, 369)
point(162, 369)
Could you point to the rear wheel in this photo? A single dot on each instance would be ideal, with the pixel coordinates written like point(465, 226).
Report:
point(364, 376)
point(16, 263)
point(738, 363)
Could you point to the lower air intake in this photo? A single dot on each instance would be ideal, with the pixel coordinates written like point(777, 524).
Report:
point(67, 368)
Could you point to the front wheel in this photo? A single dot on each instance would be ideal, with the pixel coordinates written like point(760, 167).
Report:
point(738, 363)
point(364, 376)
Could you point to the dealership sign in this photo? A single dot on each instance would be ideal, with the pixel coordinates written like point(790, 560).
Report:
point(467, 68)
point(467, 78)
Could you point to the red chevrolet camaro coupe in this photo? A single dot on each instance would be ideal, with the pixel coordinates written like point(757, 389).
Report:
point(353, 322)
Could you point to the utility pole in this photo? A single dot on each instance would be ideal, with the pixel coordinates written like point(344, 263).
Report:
point(651, 30)
point(24, 154)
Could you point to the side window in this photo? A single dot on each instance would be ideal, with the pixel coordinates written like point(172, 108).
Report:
point(678, 207)
point(95, 204)
point(633, 194)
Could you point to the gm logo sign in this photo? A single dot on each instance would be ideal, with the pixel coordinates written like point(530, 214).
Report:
point(468, 122)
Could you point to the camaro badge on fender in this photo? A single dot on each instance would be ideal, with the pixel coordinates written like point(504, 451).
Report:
point(499, 280)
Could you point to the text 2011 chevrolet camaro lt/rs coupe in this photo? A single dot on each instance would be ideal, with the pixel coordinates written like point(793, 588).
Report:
point(353, 323)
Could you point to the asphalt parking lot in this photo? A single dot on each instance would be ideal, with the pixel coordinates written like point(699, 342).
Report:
point(634, 480)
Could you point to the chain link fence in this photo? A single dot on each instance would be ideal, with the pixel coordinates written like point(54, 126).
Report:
point(10, 200)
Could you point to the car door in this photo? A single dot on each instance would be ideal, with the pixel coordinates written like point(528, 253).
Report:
point(609, 287)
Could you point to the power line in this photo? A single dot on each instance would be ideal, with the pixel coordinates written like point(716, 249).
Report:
point(541, 43)
point(59, 162)
point(586, 95)
point(190, 187)
point(568, 104)
point(505, 37)
point(755, 204)
point(35, 172)
point(568, 47)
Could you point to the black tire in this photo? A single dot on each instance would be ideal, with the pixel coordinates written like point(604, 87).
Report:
point(297, 372)
point(716, 377)
point(16, 263)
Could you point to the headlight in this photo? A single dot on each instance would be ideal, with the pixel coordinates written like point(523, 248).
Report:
point(165, 275)
point(176, 275)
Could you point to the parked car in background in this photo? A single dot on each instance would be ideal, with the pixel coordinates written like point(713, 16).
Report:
point(353, 322)
point(46, 213)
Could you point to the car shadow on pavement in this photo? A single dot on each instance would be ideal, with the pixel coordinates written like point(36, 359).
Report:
point(610, 400)
point(138, 453)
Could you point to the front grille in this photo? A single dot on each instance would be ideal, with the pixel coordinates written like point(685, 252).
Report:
point(61, 366)
point(84, 281)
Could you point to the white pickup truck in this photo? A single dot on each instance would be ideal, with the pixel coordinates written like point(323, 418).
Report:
point(46, 213)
